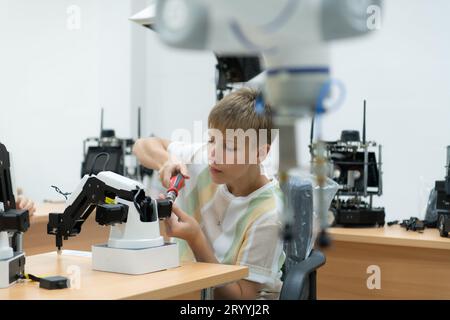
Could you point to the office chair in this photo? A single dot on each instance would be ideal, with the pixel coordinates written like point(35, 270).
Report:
point(300, 267)
point(300, 282)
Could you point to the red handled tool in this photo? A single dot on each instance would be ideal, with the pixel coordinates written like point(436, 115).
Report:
point(176, 183)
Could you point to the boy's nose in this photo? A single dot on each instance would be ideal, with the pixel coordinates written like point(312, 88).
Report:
point(212, 154)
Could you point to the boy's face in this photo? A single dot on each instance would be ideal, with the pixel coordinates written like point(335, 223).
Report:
point(231, 157)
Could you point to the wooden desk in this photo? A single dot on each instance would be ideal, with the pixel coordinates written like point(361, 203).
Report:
point(413, 265)
point(36, 240)
point(172, 283)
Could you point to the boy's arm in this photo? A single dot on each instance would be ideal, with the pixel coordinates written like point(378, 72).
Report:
point(153, 153)
point(24, 203)
point(241, 289)
point(181, 225)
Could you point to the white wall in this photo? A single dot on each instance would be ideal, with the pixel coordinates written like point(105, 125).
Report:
point(53, 82)
point(180, 88)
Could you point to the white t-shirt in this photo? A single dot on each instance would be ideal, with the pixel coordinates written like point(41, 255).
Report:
point(241, 230)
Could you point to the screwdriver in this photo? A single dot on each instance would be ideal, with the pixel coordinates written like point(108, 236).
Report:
point(176, 184)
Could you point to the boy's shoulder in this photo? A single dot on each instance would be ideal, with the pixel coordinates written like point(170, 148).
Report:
point(270, 191)
point(267, 202)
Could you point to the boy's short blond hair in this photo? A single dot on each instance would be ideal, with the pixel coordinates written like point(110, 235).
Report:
point(237, 110)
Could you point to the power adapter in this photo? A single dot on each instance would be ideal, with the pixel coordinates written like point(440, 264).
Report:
point(49, 283)
point(55, 282)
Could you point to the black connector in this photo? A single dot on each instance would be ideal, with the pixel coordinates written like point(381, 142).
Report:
point(55, 282)
point(110, 214)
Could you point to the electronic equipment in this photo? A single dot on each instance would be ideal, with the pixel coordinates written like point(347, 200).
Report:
point(13, 223)
point(120, 156)
point(135, 245)
point(442, 189)
point(234, 69)
point(353, 165)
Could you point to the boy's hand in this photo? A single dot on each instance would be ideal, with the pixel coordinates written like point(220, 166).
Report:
point(181, 225)
point(23, 203)
point(171, 168)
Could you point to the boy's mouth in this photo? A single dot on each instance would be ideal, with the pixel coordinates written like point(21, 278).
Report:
point(214, 170)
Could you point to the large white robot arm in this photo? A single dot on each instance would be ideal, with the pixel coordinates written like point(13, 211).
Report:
point(290, 35)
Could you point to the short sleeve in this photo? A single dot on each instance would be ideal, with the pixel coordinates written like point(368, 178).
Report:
point(183, 151)
point(262, 250)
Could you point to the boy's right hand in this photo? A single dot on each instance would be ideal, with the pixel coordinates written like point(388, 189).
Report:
point(171, 168)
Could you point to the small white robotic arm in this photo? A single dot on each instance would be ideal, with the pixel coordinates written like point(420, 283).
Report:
point(135, 244)
point(121, 203)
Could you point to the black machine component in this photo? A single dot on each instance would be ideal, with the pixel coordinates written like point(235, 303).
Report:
point(6, 192)
point(234, 69)
point(13, 222)
point(414, 224)
point(54, 283)
point(361, 214)
point(118, 150)
point(145, 206)
point(354, 166)
point(11, 219)
point(110, 214)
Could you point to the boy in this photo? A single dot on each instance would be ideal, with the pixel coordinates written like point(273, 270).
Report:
point(229, 210)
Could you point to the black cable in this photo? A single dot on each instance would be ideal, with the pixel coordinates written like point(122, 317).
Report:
point(65, 194)
point(95, 160)
point(31, 277)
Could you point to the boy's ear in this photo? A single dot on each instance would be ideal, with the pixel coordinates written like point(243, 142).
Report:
point(262, 152)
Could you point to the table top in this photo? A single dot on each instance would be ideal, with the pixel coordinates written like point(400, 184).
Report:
point(165, 284)
point(393, 235)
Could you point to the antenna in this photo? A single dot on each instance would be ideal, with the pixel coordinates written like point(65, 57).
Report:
point(364, 123)
point(139, 123)
point(311, 138)
point(101, 123)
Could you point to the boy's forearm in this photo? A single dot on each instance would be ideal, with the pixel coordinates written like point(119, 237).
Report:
point(202, 250)
point(152, 152)
point(237, 290)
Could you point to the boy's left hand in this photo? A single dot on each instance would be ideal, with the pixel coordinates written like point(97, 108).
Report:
point(181, 225)
point(23, 203)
